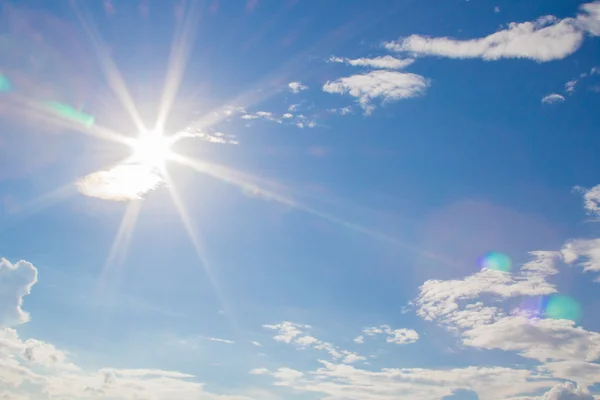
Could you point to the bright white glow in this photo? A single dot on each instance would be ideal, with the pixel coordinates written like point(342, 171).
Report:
point(152, 150)
point(122, 183)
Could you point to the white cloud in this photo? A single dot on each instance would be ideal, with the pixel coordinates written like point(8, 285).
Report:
point(587, 251)
point(496, 9)
point(567, 391)
point(211, 137)
point(553, 98)
point(591, 198)
point(384, 62)
point(257, 344)
point(213, 339)
point(339, 381)
point(570, 86)
point(16, 281)
point(585, 373)
point(387, 85)
point(288, 331)
point(396, 336)
point(359, 340)
point(267, 115)
point(259, 371)
point(545, 39)
point(341, 110)
point(297, 87)
point(124, 182)
point(439, 300)
point(539, 339)
point(292, 333)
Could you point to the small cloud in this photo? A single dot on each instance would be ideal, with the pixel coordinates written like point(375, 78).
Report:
point(297, 87)
point(341, 110)
point(385, 62)
point(259, 371)
point(570, 86)
point(213, 339)
point(496, 9)
point(211, 137)
point(257, 344)
point(553, 98)
point(595, 71)
point(293, 107)
point(126, 182)
point(359, 339)
point(388, 85)
point(288, 115)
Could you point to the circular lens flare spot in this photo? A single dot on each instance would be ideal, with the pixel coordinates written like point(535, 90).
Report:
point(560, 306)
point(496, 261)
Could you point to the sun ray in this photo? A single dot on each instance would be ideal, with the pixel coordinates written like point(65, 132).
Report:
point(120, 246)
point(236, 178)
point(109, 68)
point(198, 247)
point(183, 40)
point(35, 111)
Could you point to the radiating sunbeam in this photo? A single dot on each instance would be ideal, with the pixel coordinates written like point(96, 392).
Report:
point(35, 111)
point(233, 177)
point(120, 246)
point(109, 68)
point(183, 40)
point(198, 246)
point(42, 202)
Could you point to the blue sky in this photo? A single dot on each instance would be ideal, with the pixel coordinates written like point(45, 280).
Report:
point(342, 200)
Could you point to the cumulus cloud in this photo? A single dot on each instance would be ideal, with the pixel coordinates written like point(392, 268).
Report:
point(553, 98)
point(384, 62)
point(388, 85)
point(545, 39)
point(33, 369)
point(570, 86)
point(567, 391)
point(297, 87)
point(16, 281)
point(125, 182)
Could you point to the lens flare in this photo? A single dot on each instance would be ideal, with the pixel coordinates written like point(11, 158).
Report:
point(5, 85)
point(496, 261)
point(70, 113)
point(560, 306)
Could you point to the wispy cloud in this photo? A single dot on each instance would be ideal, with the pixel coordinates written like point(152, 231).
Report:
point(396, 336)
point(213, 339)
point(297, 87)
point(545, 39)
point(292, 333)
point(388, 85)
point(383, 62)
point(553, 98)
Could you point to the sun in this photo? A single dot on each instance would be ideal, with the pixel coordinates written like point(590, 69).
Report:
point(152, 149)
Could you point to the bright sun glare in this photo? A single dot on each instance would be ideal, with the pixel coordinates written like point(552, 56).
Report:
point(152, 149)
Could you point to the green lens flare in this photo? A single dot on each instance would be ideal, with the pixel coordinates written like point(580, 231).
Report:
point(496, 261)
point(5, 85)
point(563, 307)
point(69, 112)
